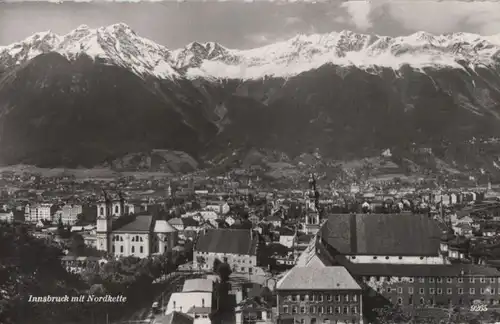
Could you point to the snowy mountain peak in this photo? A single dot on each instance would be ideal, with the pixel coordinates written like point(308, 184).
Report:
point(115, 44)
point(118, 44)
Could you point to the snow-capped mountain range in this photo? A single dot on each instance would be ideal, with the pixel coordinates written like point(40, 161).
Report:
point(119, 45)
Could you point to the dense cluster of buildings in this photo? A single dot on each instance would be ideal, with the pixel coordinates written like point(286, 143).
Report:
point(333, 259)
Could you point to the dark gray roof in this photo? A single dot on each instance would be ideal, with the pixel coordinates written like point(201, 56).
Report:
point(142, 223)
point(422, 270)
point(382, 234)
point(232, 241)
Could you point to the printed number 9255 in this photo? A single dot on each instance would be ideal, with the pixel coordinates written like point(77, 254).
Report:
point(478, 308)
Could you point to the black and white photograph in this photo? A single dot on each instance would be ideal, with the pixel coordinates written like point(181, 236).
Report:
point(249, 162)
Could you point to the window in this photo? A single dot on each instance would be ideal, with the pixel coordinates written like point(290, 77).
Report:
point(374, 258)
point(439, 280)
point(421, 279)
point(388, 289)
point(460, 280)
point(400, 301)
point(449, 280)
point(346, 310)
point(431, 280)
point(101, 211)
point(387, 258)
point(337, 310)
point(492, 291)
point(116, 209)
point(302, 321)
point(482, 280)
point(354, 310)
point(289, 298)
point(321, 310)
point(329, 297)
point(460, 291)
point(482, 290)
point(313, 297)
point(410, 290)
point(471, 279)
point(329, 310)
point(432, 291)
point(492, 280)
point(302, 310)
point(472, 291)
point(121, 249)
point(312, 309)
point(449, 291)
point(320, 299)
point(337, 298)
point(440, 291)
point(354, 298)
point(421, 291)
point(141, 249)
point(294, 310)
point(113, 249)
point(133, 249)
point(346, 298)
point(302, 297)
point(422, 301)
point(400, 290)
point(411, 279)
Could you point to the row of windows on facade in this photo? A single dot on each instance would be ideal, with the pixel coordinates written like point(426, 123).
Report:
point(321, 310)
point(320, 297)
point(439, 291)
point(132, 249)
point(431, 301)
point(328, 321)
point(435, 280)
point(136, 238)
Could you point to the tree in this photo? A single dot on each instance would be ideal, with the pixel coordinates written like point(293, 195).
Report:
point(200, 261)
point(224, 271)
point(216, 264)
point(77, 247)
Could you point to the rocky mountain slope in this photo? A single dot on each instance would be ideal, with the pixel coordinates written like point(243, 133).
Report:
point(97, 94)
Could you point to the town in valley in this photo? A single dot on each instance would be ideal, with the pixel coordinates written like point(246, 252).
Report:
point(233, 249)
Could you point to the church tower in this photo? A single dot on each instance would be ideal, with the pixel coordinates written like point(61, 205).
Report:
point(312, 216)
point(104, 223)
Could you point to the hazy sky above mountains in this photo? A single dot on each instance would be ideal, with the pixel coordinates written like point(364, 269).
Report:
point(246, 25)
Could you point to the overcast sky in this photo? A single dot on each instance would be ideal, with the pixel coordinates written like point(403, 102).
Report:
point(246, 25)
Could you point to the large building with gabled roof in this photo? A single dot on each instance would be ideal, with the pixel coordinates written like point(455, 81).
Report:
point(237, 247)
point(399, 261)
point(140, 235)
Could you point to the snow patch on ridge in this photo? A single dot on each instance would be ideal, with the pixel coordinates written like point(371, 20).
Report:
point(118, 44)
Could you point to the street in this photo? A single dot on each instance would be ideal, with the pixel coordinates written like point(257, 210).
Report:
point(145, 314)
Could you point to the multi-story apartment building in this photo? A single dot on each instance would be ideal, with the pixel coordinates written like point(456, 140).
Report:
point(68, 214)
point(38, 212)
point(419, 285)
point(305, 296)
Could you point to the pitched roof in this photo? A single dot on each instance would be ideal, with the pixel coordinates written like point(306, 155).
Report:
point(315, 278)
point(174, 318)
point(422, 270)
point(142, 223)
point(382, 234)
point(162, 226)
point(206, 285)
point(232, 241)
